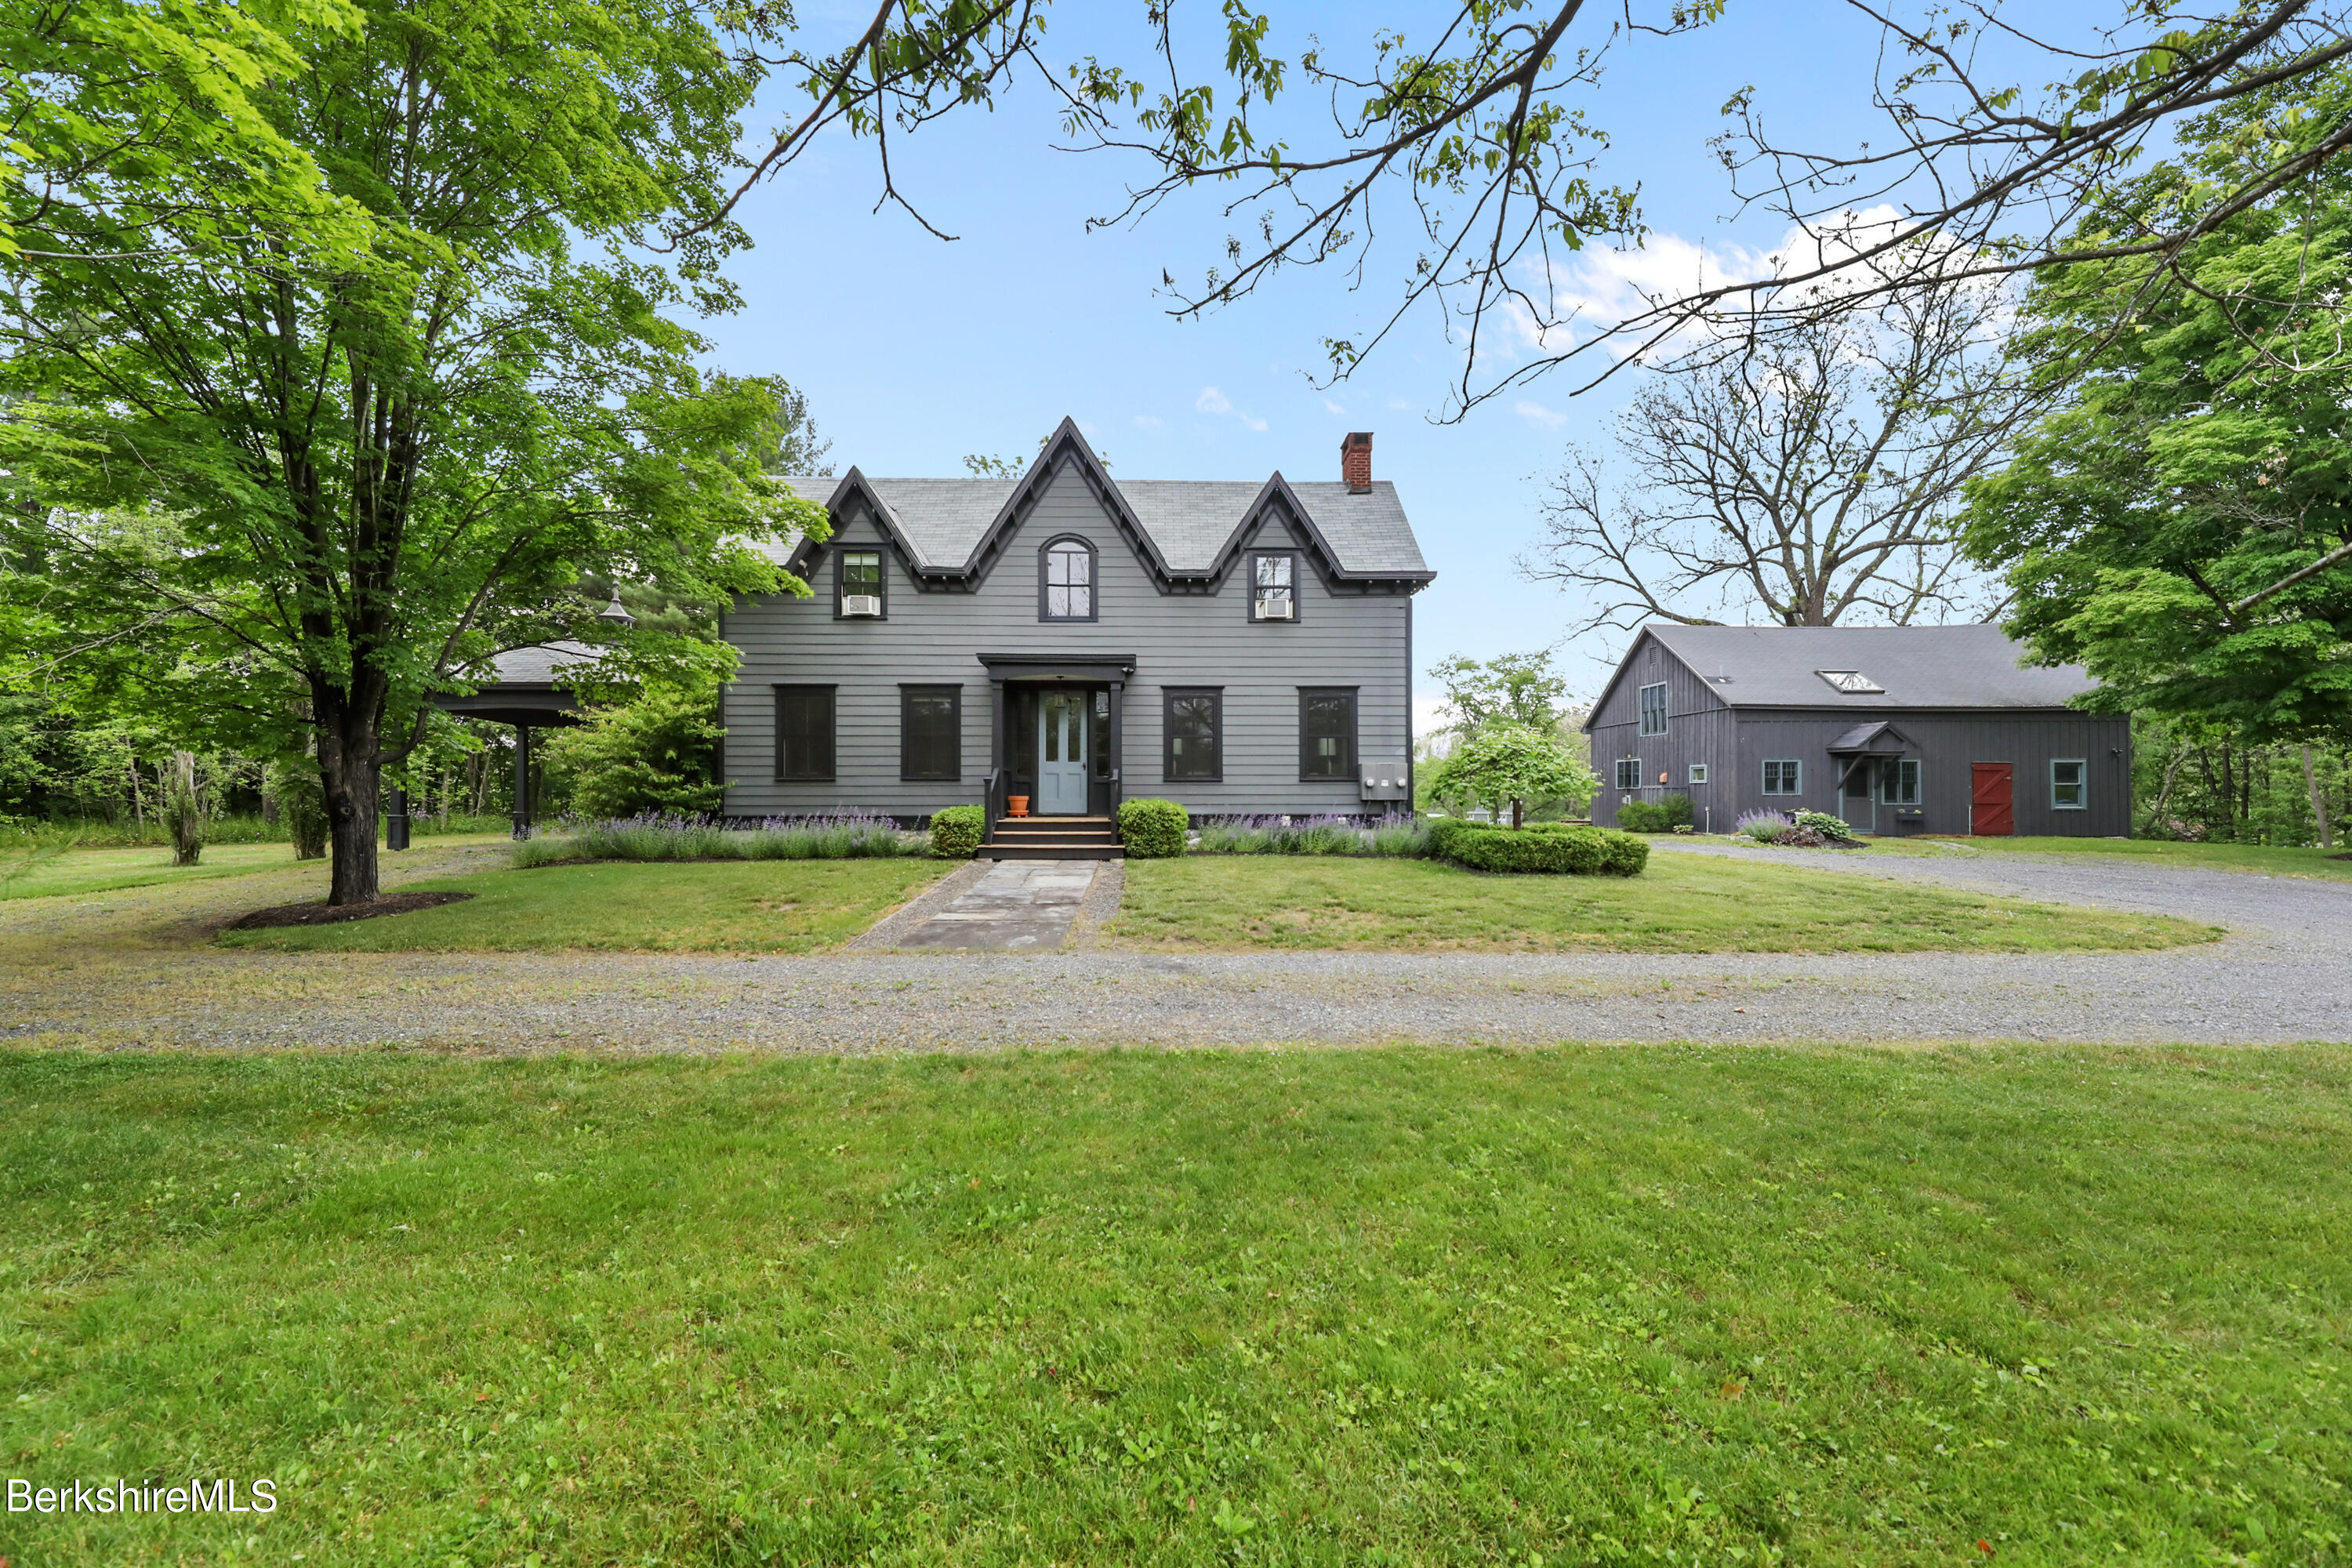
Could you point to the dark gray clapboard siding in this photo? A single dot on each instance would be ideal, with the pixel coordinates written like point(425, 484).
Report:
point(1341, 638)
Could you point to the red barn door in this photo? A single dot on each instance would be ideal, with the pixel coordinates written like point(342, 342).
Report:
point(1991, 809)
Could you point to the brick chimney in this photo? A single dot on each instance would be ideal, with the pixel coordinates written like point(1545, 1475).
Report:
point(1356, 461)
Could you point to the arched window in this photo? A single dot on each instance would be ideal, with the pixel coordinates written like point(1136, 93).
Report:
point(1066, 581)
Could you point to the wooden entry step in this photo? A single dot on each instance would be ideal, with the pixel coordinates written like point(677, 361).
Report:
point(1053, 839)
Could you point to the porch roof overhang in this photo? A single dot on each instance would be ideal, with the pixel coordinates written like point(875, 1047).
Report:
point(1875, 738)
point(1112, 667)
point(540, 706)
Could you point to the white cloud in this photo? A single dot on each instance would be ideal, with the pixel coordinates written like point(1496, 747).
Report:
point(1535, 413)
point(1335, 409)
point(1596, 288)
point(1400, 404)
point(1148, 422)
point(1212, 401)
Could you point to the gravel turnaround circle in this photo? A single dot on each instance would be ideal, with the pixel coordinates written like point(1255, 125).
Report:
point(2280, 975)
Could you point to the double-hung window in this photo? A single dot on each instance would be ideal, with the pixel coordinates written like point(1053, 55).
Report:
point(2070, 786)
point(804, 734)
point(858, 587)
point(1784, 775)
point(1066, 582)
point(1274, 587)
point(1654, 709)
point(1326, 733)
point(1629, 772)
point(1192, 731)
point(931, 732)
point(1898, 782)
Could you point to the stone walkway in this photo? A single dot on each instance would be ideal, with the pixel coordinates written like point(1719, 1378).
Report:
point(1002, 906)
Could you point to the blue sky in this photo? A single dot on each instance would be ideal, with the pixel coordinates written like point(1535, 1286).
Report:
point(914, 352)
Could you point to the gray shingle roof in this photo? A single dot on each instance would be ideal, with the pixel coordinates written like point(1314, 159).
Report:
point(1921, 667)
point(1188, 521)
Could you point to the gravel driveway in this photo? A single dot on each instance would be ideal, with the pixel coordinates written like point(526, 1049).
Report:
point(2280, 976)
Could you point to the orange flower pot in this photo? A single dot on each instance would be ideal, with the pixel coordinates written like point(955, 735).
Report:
point(1016, 806)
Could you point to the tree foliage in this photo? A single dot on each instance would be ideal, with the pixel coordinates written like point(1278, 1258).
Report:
point(317, 413)
point(2182, 522)
point(658, 753)
point(1505, 763)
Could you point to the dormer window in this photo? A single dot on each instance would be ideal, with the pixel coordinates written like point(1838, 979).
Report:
point(1274, 581)
point(858, 587)
point(1066, 581)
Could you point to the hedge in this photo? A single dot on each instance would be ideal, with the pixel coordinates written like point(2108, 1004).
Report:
point(955, 832)
point(1152, 829)
point(1552, 847)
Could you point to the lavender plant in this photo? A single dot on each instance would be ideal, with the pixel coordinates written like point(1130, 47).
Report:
point(653, 836)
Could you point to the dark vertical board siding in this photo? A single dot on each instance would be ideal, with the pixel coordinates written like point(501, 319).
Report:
point(1179, 640)
point(1698, 730)
point(1734, 744)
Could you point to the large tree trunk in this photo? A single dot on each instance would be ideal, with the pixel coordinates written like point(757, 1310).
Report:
point(350, 768)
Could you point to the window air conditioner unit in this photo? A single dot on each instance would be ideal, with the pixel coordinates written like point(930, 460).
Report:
point(861, 603)
point(1273, 609)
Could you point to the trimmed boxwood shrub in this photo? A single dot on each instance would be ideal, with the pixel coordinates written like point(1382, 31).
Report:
point(1663, 816)
point(1552, 847)
point(1152, 829)
point(955, 832)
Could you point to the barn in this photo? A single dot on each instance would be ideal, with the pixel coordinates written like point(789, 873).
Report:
point(1895, 729)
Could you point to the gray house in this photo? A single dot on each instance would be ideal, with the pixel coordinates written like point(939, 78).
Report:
point(1895, 729)
point(1052, 645)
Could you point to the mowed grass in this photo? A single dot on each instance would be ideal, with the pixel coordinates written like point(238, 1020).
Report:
point(2284, 860)
point(1575, 1306)
point(1683, 904)
point(86, 871)
point(765, 906)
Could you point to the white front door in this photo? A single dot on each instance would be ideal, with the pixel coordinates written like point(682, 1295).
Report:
point(1062, 754)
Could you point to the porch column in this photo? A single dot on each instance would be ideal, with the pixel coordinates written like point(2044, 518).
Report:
point(1118, 745)
point(522, 781)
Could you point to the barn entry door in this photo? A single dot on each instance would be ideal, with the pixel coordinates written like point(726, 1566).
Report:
point(1856, 803)
point(1991, 811)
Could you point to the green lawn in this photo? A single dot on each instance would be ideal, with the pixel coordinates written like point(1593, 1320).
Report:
point(2284, 861)
point(84, 871)
point(729, 906)
point(1683, 904)
point(1661, 1305)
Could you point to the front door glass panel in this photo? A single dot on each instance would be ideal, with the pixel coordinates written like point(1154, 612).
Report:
point(1062, 754)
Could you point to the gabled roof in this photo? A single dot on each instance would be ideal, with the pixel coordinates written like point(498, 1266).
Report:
point(1186, 529)
point(1871, 737)
point(1971, 667)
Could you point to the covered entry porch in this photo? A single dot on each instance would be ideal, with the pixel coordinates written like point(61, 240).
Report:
point(1056, 725)
point(1878, 779)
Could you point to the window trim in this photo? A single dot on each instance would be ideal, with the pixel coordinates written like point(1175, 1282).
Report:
point(1695, 774)
point(1796, 776)
point(955, 694)
point(2082, 783)
point(1249, 599)
point(1633, 763)
point(833, 737)
point(881, 553)
point(1168, 696)
point(1346, 772)
point(1094, 577)
point(1642, 708)
point(1893, 770)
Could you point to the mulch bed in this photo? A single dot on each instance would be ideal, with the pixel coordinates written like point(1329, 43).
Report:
point(319, 914)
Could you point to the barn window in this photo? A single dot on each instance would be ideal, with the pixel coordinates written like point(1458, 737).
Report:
point(2068, 789)
point(1654, 709)
point(1698, 772)
point(1629, 772)
point(1784, 775)
point(1898, 782)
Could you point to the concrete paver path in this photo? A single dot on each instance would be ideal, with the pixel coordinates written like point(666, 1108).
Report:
point(1012, 906)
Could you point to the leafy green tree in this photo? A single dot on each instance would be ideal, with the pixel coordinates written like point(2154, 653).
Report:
point(329, 398)
point(1507, 764)
point(2181, 521)
point(659, 752)
point(1518, 687)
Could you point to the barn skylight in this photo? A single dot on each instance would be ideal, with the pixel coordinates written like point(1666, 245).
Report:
point(1851, 682)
